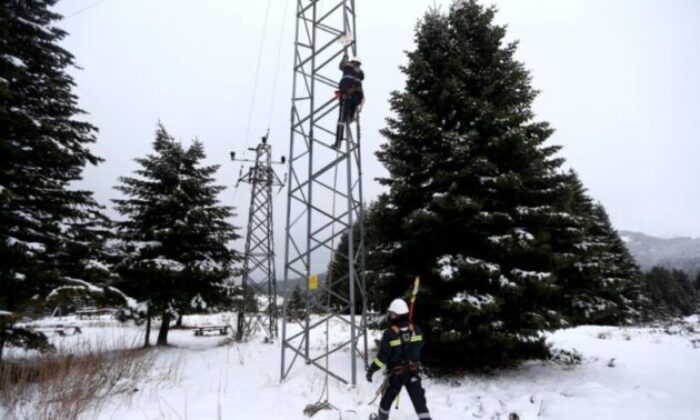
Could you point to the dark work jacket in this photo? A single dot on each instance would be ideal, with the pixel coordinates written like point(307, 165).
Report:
point(352, 76)
point(401, 345)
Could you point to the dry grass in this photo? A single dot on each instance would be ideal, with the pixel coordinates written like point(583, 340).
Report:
point(64, 386)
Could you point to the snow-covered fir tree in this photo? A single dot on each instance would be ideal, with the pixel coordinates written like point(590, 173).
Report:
point(175, 234)
point(477, 204)
point(44, 146)
point(602, 283)
point(671, 293)
point(84, 259)
point(296, 307)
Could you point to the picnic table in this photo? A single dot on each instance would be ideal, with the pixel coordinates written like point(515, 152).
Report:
point(58, 329)
point(90, 313)
point(200, 330)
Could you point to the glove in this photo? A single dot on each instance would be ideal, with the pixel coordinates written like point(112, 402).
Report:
point(370, 372)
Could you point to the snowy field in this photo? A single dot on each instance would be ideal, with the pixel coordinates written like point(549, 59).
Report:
point(625, 373)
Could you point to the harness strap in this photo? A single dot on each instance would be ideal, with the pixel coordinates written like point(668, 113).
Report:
point(351, 77)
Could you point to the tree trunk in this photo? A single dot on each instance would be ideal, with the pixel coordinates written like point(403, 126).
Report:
point(147, 342)
point(164, 328)
point(2, 342)
point(178, 323)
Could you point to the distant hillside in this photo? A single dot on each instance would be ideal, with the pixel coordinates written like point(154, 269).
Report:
point(283, 288)
point(681, 253)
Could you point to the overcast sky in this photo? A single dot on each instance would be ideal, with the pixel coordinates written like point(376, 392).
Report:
point(619, 80)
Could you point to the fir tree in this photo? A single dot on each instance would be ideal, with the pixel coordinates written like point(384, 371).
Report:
point(338, 269)
point(670, 292)
point(475, 197)
point(174, 237)
point(44, 147)
point(296, 308)
point(601, 283)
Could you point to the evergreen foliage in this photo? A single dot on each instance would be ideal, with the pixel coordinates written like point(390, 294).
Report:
point(602, 285)
point(296, 308)
point(671, 292)
point(477, 204)
point(174, 239)
point(44, 147)
point(338, 268)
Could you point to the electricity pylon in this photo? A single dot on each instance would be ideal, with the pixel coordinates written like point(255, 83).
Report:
point(324, 197)
point(258, 302)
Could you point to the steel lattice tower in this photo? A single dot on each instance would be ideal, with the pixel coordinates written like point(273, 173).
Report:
point(324, 194)
point(259, 277)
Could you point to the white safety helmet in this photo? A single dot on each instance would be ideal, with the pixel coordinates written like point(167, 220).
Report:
point(398, 307)
point(356, 59)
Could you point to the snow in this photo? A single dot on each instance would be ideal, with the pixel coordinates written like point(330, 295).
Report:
point(490, 267)
point(477, 301)
point(504, 282)
point(449, 265)
point(31, 246)
point(530, 210)
point(208, 265)
point(523, 234)
point(624, 373)
point(530, 274)
point(96, 265)
point(14, 60)
point(497, 239)
point(167, 264)
point(447, 270)
point(5, 313)
point(139, 245)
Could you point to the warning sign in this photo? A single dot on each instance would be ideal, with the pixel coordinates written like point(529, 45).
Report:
point(313, 282)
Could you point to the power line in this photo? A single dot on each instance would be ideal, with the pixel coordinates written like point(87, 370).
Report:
point(84, 9)
point(257, 73)
point(254, 94)
point(277, 64)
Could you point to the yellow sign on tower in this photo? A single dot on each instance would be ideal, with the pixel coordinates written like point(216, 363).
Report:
point(313, 282)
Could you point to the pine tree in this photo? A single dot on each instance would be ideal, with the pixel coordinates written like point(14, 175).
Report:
point(475, 196)
point(87, 264)
point(669, 292)
point(338, 269)
point(601, 283)
point(174, 237)
point(44, 147)
point(296, 308)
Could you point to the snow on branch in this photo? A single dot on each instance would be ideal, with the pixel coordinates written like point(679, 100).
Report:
point(534, 275)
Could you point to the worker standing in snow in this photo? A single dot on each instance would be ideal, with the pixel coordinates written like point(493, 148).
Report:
point(399, 354)
point(350, 93)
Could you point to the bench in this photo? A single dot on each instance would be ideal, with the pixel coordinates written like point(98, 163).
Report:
point(201, 330)
point(60, 330)
point(93, 313)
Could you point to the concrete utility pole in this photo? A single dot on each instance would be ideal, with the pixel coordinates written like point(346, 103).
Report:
point(258, 306)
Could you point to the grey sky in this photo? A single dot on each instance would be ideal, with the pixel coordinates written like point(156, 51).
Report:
point(620, 82)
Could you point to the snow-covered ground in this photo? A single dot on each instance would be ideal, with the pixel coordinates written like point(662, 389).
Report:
point(625, 373)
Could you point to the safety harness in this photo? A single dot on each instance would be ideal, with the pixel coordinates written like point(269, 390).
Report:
point(407, 336)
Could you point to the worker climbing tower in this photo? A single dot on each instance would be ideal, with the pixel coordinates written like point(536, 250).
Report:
point(324, 199)
point(258, 303)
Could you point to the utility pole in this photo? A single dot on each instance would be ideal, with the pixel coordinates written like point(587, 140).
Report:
point(324, 198)
point(258, 300)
